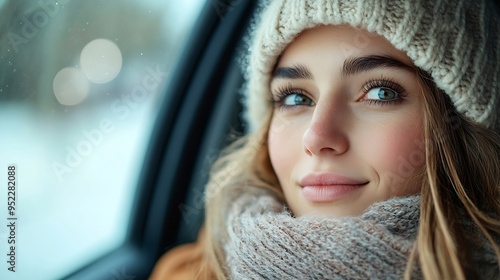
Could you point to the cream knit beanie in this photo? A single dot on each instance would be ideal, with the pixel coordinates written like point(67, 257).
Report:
point(456, 41)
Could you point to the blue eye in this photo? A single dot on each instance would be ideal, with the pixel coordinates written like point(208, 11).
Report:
point(382, 94)
point(297, 99)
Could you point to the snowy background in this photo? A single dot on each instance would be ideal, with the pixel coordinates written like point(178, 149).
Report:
point(74, 208)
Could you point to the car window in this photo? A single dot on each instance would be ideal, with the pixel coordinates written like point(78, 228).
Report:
point(79, 87)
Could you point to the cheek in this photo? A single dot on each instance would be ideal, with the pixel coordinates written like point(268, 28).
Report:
point(284, 148)
point(399, 153)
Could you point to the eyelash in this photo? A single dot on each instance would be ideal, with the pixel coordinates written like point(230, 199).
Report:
point(384, 83)
point(282, 92)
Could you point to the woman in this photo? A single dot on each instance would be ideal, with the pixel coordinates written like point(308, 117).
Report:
point(372, 149)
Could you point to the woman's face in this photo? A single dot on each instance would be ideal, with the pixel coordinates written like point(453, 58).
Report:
point(347, 122)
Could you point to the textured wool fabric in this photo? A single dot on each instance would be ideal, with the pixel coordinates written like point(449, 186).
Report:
point(271, 244)
point(455, 41)
point(266, 242)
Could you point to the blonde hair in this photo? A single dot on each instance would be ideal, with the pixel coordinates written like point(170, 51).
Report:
point(244, 162)
point(461, 179)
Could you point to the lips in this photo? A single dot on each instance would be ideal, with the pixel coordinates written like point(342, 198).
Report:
point(328, 187)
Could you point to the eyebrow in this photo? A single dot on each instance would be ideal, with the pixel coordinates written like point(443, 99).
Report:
point(352, 66)
point(298, 71)
point(355, 65)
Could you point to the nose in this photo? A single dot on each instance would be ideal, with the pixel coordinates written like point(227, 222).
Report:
point(326, 133)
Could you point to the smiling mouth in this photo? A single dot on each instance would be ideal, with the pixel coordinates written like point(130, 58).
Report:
point(328, 193)
point(328, 187)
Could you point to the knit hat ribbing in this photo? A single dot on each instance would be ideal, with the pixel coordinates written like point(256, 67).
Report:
point(456, 41)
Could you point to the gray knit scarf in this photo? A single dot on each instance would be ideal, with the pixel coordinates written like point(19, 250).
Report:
point(266, 242)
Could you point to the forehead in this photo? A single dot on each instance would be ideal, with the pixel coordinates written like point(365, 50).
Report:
point(338, 42)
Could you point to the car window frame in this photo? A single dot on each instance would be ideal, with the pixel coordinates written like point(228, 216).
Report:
point(196, 97)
